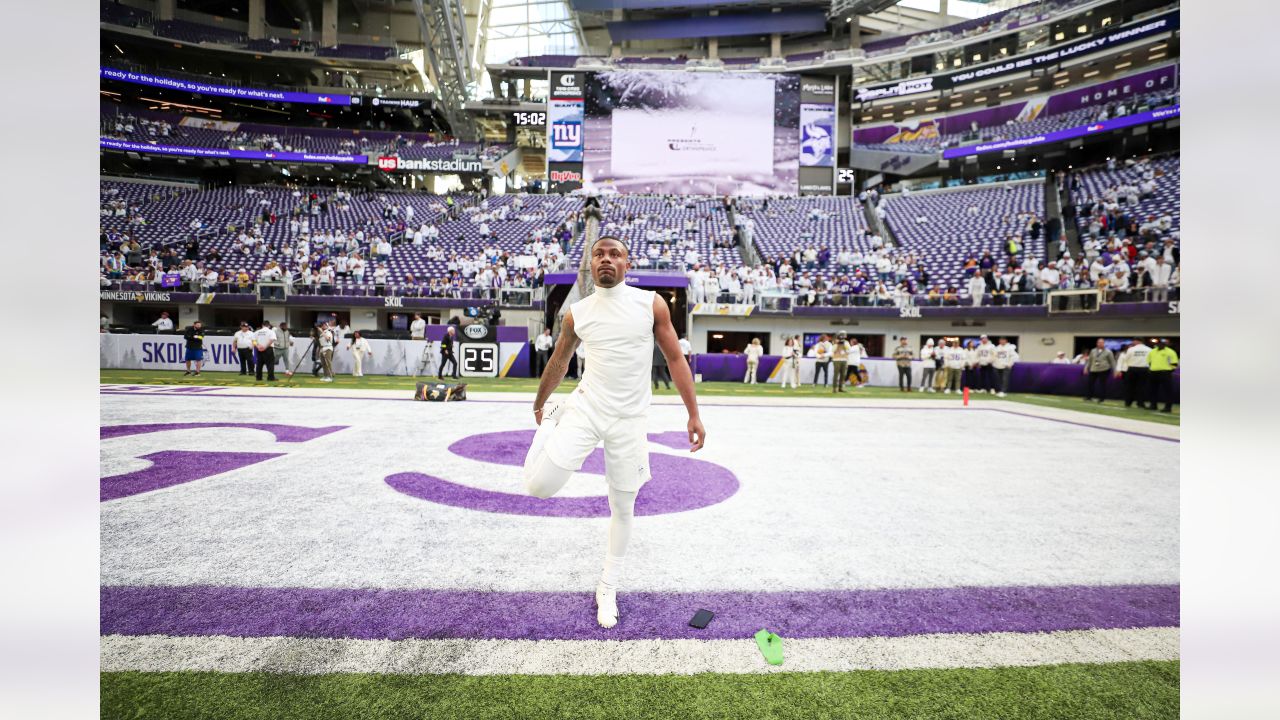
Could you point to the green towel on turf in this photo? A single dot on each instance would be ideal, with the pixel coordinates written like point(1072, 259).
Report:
point(770, 646)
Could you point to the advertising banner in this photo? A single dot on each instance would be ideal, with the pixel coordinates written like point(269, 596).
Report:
point(725, 309)
point(124, 145)
point(1033, 108)
point(390, 357)
point(1138, 30)
point(1165, 78)
point(817, 135)
point(392, 163)
point(817, 123)
point(242, 93)
point(634, 279)
point(1066, 134)
point(564, 118)
point(564, 177)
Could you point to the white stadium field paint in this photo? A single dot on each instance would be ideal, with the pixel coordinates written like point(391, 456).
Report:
point(309, 656)
point(922, 498)
point(318, 531)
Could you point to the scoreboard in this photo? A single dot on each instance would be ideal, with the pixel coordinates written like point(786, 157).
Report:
point(529, 119)
point(478, 351)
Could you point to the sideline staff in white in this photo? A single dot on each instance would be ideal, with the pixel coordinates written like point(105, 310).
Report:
point(791, 363)
point(542, 351)
point(244, 348)
point(926, 354)
point(164, 324)
point(418, 328)
point(619, 324)
point(360, 349)
point(1005, 356)
point(984, 356)
point(753, 353)
point(1134, 366)
point(264, 341)
point(822, 364)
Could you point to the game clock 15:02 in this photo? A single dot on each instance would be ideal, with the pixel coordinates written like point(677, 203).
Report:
point(529, 119)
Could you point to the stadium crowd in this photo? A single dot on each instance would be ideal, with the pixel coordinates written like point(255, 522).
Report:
point(462, 248)
point(979, 245)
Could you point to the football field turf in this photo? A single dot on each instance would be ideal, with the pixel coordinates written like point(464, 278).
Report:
point(1132, 691)
point(322, 551)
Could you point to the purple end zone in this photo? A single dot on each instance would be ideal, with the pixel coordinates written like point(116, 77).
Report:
point(174, 467)
point(373, 614)
point(282, 433)
point(678, 484)
point(674, 439)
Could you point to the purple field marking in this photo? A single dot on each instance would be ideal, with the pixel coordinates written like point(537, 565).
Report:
point(174, 467)
point(674, 439)
point(730, 405)
point(282, 433)
point(373, 614)
point(678, 483)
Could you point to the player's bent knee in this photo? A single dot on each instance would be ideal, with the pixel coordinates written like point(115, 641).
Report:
point(543, 478)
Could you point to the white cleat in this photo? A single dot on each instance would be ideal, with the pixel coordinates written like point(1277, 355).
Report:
point(606, 606)
point(999, 394)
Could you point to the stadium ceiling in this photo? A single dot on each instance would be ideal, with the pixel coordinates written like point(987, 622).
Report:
point(606, 6)
point(849, 8)
point(444, 39)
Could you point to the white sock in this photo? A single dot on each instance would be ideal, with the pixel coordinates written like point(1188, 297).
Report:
point(611, 577)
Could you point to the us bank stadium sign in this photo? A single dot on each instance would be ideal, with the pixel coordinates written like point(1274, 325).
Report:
point(137, 296)
point(391, 163)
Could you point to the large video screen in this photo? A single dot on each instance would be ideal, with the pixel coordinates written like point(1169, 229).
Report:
point(673, 132)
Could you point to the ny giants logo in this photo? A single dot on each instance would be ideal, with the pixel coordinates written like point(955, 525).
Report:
point(566, 134)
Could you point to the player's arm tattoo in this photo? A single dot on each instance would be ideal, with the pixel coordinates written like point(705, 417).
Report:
point(558, 365)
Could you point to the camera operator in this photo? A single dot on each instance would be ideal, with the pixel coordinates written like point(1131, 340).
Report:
point(326, 352)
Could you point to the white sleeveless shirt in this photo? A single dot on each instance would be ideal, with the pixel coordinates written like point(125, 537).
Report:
point(616, 327)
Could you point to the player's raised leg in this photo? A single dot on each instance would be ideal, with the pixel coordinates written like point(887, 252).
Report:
point(544, 476)
point(563, 441)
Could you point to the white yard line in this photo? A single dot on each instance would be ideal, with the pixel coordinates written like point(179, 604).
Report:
point(311, 656)
point(1107, 422)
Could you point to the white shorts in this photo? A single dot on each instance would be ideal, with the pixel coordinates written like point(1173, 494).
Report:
point(626, 445)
